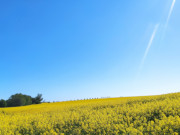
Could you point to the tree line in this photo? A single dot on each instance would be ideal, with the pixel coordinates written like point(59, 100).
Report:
point(21, 100)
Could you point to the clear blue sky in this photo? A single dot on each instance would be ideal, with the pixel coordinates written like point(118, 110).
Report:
point(89, 48)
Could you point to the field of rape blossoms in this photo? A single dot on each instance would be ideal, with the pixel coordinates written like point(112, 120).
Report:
point(147, 115)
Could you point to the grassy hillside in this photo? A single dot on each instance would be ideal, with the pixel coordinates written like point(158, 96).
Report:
point(129, 115)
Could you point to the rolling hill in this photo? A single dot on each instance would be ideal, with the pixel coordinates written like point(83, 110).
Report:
point(126, 115)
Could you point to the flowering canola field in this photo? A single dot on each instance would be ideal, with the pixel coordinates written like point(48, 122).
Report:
point(148, 115)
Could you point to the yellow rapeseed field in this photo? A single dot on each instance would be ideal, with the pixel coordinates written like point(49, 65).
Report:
point(147, 115)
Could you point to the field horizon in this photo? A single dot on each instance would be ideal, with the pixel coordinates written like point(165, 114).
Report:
point(96, 98)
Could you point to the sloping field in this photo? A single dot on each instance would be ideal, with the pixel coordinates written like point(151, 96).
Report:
point(126, 115)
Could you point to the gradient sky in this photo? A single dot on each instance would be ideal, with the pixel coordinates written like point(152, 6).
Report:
point(80, 49)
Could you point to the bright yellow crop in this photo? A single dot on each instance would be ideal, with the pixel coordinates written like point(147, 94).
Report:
point(150, 115)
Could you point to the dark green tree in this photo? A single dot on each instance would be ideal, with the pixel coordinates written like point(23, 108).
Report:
point(3, 103)
point(19, 100)
point(28, 100)
point(38, 99)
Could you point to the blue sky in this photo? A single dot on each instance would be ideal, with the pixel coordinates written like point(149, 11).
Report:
point(70, 50)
